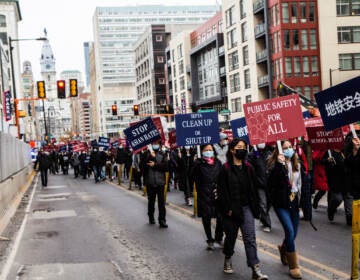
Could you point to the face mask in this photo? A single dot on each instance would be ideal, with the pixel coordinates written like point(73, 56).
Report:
point(261, 146)
point(225, 142)
point(163, 149)
point(187, 147)
point(240, 153)
point(288, 153)
point(208, 154)
point(155, 147)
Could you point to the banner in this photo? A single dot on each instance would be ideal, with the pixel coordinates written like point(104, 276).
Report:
point(158, 124)
point(172, 139)
point(142, 134)
point(239, 129)
point(320, 139)
point(197, 129)
point(274, 119)
point(340, 104)
point(7, 105)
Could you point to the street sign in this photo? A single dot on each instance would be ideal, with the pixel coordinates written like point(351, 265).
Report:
point(225, 112)
point(205, 110)
point(197, 129)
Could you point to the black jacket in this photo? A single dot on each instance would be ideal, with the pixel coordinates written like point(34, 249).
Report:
point(352, 169)
point(43, 160)
point(279, 186)
point(238, 188)
point(154, 176)
point(205, 177)
point(335, 171)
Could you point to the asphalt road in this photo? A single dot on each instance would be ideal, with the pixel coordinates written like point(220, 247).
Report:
point(76, 229)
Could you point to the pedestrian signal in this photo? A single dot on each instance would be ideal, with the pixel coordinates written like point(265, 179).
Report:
point(41, 89)
point(73, 88)
point(61, 89)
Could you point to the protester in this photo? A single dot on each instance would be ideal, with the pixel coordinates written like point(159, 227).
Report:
point(319, 180)
point(43, 163)
point(75, 163)
point(239, 204)
point(154, 165)
point(205, 175)
point(221, 148)
point(185, 163)
point(121, 157)
point(284, 184)
point(109, 165)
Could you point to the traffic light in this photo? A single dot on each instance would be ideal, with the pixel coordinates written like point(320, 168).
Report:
point(41, 89)
point(136, 110)
point(114, 110)
point(61, 89)
point(73, 88)
point(169, 109)
point(283, 90)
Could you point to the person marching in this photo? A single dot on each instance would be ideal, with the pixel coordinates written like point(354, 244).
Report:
point(205, 175)
point(185, 163)
point(154, 165)
point(44, 162)
point(284, 183)
point(238, 202)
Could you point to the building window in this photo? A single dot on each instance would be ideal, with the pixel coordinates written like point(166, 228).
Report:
point(160, 59)
point(348, 34)
point(182, 83)
point(158, 38)
point(347, 7)
point(294, 12)
point(181, 67)
point(313, 43)
point(297, 66)
point(288, 67)
point(245, 55)
point(234, 82)
point(302, 11)
point(161, 81)
point(287, 40)
point(244, 32)
point(312, 11)
point(236, 105)
point(242, 9)
point(295, 39)
point(306, 66)
point(4, 38)
point(307, 92)
point(247, 78)
point(304, 39)
point(2, 21)
point(179, 51)
point(232, 39)
point(349, 61)
point(314, 66)
point(285, 12)
point(248, 99)
point(230, 16)
point(233, 61)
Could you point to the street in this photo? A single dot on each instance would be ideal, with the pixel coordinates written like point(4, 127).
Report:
point(76, 229)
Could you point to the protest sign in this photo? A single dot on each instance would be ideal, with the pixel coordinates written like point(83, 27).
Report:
point(197, 129)
point(274, 119)
point(142, 134)
point(340, 104)
point(104, 142)
point(239, 129)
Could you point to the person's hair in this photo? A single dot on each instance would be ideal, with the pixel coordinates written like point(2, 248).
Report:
point(202, 147)
point(233, 143)
point(295, 162)
point(348, 146)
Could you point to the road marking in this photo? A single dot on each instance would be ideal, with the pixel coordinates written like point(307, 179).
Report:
point(10, 260)
point(55, 187)
point(53, 195)
point(53, 214)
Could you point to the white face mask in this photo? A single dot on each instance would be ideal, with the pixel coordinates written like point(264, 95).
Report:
point(261, 146)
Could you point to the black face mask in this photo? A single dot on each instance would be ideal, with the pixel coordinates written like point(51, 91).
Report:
point(240, 153)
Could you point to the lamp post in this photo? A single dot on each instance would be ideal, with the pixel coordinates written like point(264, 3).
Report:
point(13, 75)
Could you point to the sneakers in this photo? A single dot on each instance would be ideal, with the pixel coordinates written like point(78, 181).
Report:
point(266, 229)
point(151, 220)
point(190, 202)
point(219, 244)
point(210, 246)
point(228, 266)
point(257, 274)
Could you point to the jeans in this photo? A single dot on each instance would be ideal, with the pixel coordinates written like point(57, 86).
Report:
point(264, 208)
point(247, 227)
point(289, 219)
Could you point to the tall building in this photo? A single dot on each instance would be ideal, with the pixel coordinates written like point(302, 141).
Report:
point(339, 40)
point(150, 62)
point(207, 59)
point(87, 63)
point(85, 116)
point(116, 29)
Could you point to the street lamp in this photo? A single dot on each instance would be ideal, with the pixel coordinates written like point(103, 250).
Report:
point(13, 75)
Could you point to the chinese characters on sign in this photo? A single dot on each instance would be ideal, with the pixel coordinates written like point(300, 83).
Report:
point(7, 105)
point(340, 106)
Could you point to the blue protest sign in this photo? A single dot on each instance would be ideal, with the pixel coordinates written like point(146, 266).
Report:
point(142, 134)
point(94, 143)
point(114, 144)
point(104, 142)
point(197, 129)
point(340, 104)
point(239, 129)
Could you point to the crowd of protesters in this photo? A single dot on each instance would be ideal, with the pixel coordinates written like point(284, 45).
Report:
point(235, 184)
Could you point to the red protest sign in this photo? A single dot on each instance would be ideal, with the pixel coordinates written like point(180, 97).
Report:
point(274, 119)
point(320, 139)
point(158, 124)
point(172, 139)
point(229, 134)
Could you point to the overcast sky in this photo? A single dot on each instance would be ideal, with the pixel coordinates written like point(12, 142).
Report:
point(69, 25)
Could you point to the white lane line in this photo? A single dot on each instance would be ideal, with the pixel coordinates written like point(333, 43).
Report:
point(10, 260)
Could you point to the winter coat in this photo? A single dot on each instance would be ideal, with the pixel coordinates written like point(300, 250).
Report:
point(279, 186)
point(221, 152)
point(352, 168)
point(154, 176)
point(43, 160)
point(237, 187)
point(335, 171)
point(320, 180)
point(121, 155)
point(206, 177)
point(184, 166)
